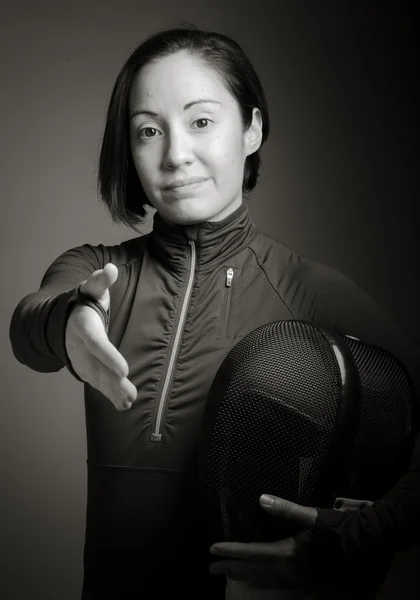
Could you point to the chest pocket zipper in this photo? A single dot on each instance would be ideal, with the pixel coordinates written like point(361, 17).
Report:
point(228, 301)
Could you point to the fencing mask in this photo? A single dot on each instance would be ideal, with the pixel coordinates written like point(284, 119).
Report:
point(299, 412)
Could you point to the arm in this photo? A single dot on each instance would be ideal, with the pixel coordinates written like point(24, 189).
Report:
point(338, 303)
point(394, 521)
point(348, 547)
point(37, 327)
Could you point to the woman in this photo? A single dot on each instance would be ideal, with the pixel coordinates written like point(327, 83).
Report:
point(145, 324)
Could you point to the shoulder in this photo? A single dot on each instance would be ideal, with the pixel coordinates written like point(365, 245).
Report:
point(317, 291)
point(321, 293)
point(97, 256)
point(300, 281)
point(341, 303)
point(79, 262)
point(337, 302)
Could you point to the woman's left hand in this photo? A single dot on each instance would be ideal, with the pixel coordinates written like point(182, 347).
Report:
point(270, 564)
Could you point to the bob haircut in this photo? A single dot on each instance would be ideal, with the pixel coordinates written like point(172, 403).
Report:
point(118, 183)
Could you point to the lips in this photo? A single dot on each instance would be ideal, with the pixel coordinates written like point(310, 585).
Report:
point(184, 182)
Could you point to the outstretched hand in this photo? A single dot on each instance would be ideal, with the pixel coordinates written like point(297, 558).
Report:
point(93, 357)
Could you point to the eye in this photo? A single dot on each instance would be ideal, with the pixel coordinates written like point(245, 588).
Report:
point(144, 129)
point(201, 120)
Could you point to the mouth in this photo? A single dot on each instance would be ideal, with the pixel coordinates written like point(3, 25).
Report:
point(187, 183)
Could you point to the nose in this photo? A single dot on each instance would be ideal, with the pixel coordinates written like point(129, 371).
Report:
point(178, 149)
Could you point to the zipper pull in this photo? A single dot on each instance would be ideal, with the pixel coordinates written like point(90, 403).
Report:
point(229, 277)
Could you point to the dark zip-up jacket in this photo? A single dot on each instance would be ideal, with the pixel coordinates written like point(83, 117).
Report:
point(184, 296)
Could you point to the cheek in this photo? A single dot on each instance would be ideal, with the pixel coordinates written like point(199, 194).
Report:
point(226, 153)
point(143, 163)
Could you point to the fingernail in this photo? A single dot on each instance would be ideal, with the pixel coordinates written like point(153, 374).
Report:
point(267, 500)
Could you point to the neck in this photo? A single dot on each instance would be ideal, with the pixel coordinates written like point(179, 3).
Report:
point(214, 240)
point(220, 216)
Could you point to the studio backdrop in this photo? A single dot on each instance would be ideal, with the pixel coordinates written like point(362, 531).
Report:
point(337, 184)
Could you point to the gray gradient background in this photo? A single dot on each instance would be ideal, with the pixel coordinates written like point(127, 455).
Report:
point(337, 184)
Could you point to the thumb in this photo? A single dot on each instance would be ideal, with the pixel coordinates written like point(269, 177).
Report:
point(99, 282)
point(290, 511)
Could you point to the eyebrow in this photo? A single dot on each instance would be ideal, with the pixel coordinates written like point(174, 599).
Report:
point(186, 107)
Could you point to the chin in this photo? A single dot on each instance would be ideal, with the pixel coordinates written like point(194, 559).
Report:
point(191, 216)
point(191, 219)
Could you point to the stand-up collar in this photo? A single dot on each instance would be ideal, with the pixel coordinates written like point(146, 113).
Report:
point(214, 240)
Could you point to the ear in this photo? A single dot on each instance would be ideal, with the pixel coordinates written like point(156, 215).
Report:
point(253, 135)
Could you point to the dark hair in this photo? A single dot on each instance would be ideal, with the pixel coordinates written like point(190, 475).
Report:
point(118, 183)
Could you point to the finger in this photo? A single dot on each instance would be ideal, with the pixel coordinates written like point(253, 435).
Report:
point(344, 504)
point(120, 391)
point(99, 281)
point(240, 567)
point(256, 551)
point(252, 572)
point(240, 550)
point(256, 583)
point(280, 507)
point(105, 351)
point(93, 335)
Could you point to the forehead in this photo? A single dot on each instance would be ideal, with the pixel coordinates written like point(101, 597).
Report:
point(177, 79)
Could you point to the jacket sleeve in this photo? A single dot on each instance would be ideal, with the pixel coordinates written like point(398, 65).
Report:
point(338, 303)
point(392, 523)
point(37, 327)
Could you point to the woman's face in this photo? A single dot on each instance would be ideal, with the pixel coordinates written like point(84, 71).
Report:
point(175, 136)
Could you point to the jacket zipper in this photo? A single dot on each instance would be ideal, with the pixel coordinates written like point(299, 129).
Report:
point(228, 284)
point(157, 426)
